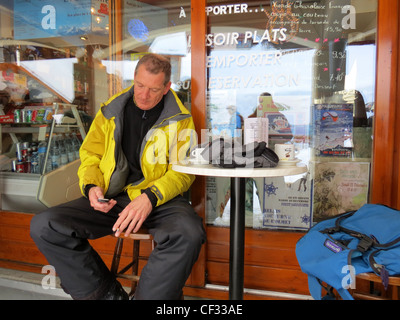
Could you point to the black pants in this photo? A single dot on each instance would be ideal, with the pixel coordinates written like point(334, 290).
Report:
point(62, 232)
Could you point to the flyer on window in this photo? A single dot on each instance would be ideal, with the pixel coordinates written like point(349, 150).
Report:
point(333, 129)
point(339, 187)
point(285, 202)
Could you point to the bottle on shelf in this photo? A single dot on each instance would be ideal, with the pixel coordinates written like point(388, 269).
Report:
point(54, 155)
point(27, 160)
point(42, 148)
point(76, 144)
point(63, 150)
point(70, 149)
point(35, 162)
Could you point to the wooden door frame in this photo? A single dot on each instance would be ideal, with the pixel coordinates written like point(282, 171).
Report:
point(385, 160)
point(198, 109)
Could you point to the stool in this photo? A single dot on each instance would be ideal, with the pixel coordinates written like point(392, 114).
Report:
point(142, 234)
point(394, 282)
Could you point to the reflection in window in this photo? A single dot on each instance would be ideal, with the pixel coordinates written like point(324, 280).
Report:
point(160, 27)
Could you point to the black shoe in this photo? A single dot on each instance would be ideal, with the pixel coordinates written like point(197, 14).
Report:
point(116, 292)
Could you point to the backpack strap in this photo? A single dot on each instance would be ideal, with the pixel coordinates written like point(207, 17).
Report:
point(345, 294)
point(315, 286)
point(365, 243)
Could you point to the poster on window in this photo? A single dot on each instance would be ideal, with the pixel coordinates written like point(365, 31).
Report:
point(333, 129)
point(285, 202)
point(42, 18)
point(339, 187)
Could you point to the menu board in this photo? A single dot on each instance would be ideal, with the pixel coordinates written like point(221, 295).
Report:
point(322, 25)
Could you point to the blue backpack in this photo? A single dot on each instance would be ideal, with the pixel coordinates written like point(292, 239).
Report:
point(335, 250)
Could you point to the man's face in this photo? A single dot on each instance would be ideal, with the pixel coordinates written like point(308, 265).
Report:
point(149, 88)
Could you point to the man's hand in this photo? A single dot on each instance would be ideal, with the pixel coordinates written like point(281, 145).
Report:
point(133, 216)
point(96, 193)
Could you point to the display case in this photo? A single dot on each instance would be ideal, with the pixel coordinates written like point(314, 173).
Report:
point(40, 157)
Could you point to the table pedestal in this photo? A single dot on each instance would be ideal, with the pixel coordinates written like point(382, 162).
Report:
point(236, 249)
point(237, 220)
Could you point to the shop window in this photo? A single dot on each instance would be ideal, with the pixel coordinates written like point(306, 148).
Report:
point(80, 53)
point(291, 62)
point(309, 68)
point(50, 62)
point(60, 51)
point(54, 47)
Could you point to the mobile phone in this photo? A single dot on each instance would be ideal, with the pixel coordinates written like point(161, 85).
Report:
point(103, 200)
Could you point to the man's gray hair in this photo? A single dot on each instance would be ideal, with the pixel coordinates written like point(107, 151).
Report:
point(155, 63)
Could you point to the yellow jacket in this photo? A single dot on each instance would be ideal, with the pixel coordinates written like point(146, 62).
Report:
point(103, 162)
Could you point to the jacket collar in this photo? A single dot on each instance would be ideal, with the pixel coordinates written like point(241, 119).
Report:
point(115, 106)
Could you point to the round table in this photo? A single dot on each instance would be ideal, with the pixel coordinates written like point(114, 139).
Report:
point(237, 215)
